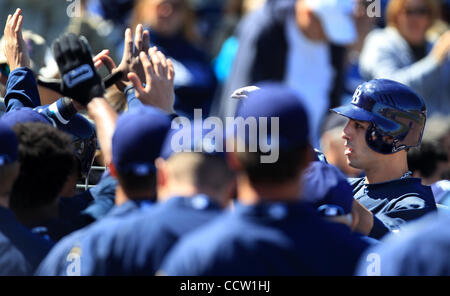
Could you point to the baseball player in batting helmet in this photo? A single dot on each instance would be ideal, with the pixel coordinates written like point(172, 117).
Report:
point(385, 119)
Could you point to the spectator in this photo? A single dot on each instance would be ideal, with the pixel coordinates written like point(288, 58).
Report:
point(364, 25)
point(172, 31)
point(97, 31)
point(429, 162)
point(225, 44)
point(289, 41)
point(401, 52)
point(437, 130)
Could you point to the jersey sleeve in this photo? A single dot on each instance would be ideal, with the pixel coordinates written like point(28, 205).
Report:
point(397, 212)
point(21, 90)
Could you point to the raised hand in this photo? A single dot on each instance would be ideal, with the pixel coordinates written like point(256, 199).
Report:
point(80, 79)
point(441, 49)
point(130, 60)
point(15, 48)
point(159, 77)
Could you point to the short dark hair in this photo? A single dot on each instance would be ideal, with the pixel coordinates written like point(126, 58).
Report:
point(285, 169)
point(47, 159)
point(425, 158)
point(137, 183)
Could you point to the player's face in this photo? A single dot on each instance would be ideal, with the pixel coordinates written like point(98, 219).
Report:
point(358, 154)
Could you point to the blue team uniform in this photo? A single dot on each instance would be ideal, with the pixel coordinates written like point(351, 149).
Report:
point(394, 202)
point(421, 249)
point(148, 237)
point(91, 242)
point(20, 250)
point(21, 90)
point(267, 239)
point(141, 240)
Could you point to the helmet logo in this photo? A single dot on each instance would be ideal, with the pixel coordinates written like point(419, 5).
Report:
point(356, 95)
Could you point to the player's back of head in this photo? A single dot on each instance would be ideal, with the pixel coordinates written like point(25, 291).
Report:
point(278, 111)
point(46, 158)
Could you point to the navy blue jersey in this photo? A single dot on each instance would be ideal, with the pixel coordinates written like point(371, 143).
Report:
point(75, 254)
point(394, 202)
point(21, 90)
point(420, 249)
point(267, 239)
point(20, 250)
point(54, 229)
point(147, 237)
point(144, 237)
point(104, 196)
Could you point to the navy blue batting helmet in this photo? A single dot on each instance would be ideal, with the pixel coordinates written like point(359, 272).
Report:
point(396, 113)
point(84, 140)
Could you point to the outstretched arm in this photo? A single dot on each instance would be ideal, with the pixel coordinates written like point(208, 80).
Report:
point(15, 49)
point(159, 79)
point(21, 88)
point(105, 118)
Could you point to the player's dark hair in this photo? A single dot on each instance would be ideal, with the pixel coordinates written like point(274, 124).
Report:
point(131, 182)
point(285, 169)
point(426, 158)
point(47, 159)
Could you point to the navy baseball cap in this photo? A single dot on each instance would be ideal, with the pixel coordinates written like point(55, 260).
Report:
point(276, 100)
point(138, 139)
point(327, 189)
point(22, 115)
point(9, 145)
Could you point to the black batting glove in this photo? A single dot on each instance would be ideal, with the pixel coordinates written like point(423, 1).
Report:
point(80, 80)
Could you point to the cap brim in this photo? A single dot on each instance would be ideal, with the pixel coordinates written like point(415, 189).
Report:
point(336, 19)
point(357, 113)
point(354, 112)
point(339, 29)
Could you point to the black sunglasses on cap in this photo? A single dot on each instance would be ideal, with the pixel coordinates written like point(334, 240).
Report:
point(420, 11)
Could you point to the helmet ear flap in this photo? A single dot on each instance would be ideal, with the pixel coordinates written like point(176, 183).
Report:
point(378, 142)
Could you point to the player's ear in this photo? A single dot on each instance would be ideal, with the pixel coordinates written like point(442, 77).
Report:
point(161, 172)
point(112, 170)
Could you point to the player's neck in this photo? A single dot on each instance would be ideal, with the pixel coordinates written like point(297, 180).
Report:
point(35, 216)
point(249, 193)
point(390, 167)
point(123, 196)
point(4, 202)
